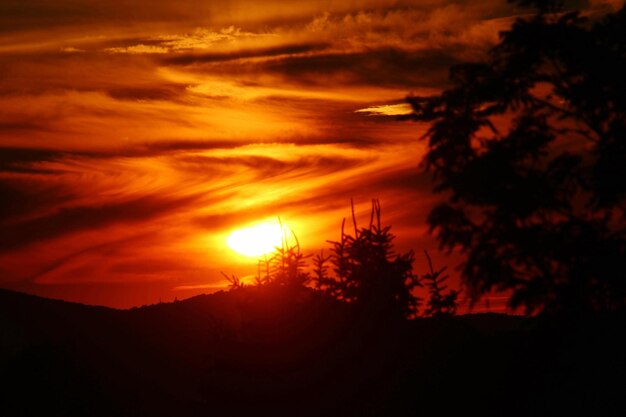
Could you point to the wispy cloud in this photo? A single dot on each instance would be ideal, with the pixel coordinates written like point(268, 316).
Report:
point(138, 49)
point(387, 110)
point(134, 138)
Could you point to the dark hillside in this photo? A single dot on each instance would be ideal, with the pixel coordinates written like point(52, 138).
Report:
point(274, 351)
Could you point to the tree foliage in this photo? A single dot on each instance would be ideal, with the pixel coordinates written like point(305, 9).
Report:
point(286, 266)
point(361, 269)
point(529, 149)
point(441, 301)
point(368, 272)
point(234, 282)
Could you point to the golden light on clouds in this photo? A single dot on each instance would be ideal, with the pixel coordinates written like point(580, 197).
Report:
point(135, 138)
point(399, 109)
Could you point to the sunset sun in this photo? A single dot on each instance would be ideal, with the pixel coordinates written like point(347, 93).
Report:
point(258, 239)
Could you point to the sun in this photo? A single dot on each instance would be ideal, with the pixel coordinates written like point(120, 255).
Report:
point(259, 239)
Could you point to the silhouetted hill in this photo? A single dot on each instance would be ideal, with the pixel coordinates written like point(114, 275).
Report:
point(275, 351)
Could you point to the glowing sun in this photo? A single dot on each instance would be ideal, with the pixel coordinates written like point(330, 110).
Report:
point(258, 240)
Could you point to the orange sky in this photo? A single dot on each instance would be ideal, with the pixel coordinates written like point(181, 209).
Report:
point(135, 136)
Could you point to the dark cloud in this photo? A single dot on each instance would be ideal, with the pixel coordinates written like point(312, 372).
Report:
point(93, 248)
point(189, 59)
point(383, 67)
point(21, 125)
point(175, 145)
point(179, 147)
point(24, 196)
point(12, 159)
point(169, 92)
point(16, 15)
point(27, 124)
point(69, 220)
point(409, 179)
point(27, 160)
point(264, 167)
point(390, 67)
point(119, 76)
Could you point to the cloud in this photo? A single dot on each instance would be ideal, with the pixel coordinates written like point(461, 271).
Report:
point(290, 49)
point(195, 87)
point(21, 197)
point(386, 67)
point(159, 91)
point(203, 38)
point(22, 15)
point(134, 137)
point(71, 49)
point(403, 47)
point(66, 220)
point(399, 109)
point(138, 49)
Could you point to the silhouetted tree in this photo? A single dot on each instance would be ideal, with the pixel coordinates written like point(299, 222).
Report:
point(263, 272)
point(286, 266)
point(440, 302)
point(234, 282)
point(368, 272)
point(320, 269)
point(529, 147)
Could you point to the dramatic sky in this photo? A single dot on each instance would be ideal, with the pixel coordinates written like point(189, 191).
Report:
point(136, 136)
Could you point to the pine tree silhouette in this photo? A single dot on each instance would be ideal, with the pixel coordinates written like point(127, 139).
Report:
point(367, 271)
point(285, 266)
point(440, 303)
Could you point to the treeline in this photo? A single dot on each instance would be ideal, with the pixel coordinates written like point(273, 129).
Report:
point(362, 269)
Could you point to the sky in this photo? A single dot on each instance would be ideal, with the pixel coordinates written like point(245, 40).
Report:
point(135, 137)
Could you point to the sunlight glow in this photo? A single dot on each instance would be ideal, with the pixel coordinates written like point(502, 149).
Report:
point(258, 240)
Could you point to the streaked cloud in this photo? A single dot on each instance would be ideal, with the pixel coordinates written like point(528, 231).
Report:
point(398, 109)
point(138, 49)
point(134, 138)
point(71, 49)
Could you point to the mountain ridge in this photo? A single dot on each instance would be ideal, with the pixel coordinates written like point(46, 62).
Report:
point(284, 352)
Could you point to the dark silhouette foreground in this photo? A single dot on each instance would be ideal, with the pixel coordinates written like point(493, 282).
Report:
point(362, 269)
point(529, 147)
point(279, 351)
